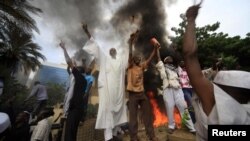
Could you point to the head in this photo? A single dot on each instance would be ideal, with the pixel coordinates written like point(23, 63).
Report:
point(47, 112)
point(22, 117)
point(168, 60)
point(217, 64)
point(137, 59)
point(37, 82)
point(235, 83)
point(173, 46)
point(182, 64)
point(81, 69)
point(88, 71)
point(112, 52)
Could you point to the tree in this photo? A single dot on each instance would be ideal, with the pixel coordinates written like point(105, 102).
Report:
point(16, 46)
point(16, 25)
point(14, 14)
point(233, 50)
point(56, 93)
point(20, 52)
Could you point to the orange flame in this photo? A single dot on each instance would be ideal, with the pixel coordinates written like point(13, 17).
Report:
point(161, 118)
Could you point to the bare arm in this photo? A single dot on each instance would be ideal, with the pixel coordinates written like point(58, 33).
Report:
point(201, 85)
point(132, 40)
point(66, 55)
point(68, 70)
point(85, 28)
point(158, 54)
point(151, 56)
point(130, 59)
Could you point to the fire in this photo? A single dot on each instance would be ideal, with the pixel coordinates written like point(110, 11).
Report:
point(161, 118)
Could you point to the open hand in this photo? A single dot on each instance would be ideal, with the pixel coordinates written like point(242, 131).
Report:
point(62, 45)
point(134, 37)
point(192, 11)
point(84, 26)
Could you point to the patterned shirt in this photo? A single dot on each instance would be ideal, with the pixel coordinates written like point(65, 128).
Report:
point(184, 79)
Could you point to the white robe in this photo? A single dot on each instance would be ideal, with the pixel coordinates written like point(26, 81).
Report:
point(111, 86)
point(226, 111)
point(69, 94)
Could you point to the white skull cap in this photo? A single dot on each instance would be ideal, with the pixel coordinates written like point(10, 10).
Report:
point(240, 79)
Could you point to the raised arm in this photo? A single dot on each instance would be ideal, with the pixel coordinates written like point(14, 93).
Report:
point(151, 56)
point(130, 57)
point(156, 46)
point(85, 28)
point(66, 55)
point(131, 41)
point(202, 86)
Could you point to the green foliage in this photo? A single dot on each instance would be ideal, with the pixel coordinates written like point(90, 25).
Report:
point(56, 93)
point(185, 118)
point(16, 25)
point(92, 111)
point(13, 91)
point(234, 50)
point(229, 62)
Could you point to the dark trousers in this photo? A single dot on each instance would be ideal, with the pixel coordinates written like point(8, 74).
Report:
point(40, 104)
point(188, 92)
point(73, 119)
point(135, 100)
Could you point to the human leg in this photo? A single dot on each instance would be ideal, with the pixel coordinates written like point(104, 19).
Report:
point(169, 103)
point(72, 122)
point(133, 109)
point(182, 107)
point(40, 104)
point(147, 117)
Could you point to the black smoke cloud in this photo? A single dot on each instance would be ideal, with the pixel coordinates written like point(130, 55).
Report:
point(64, 17)
point(152, 22)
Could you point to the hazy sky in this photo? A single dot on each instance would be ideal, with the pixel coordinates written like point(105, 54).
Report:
point(233, 15)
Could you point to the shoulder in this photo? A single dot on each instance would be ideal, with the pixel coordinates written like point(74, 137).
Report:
point(144, 65)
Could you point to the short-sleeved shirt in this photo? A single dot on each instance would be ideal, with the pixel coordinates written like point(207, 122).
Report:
point(41, 131)
point(135, 78)
point(40, 91)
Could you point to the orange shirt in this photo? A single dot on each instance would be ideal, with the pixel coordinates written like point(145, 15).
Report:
point(135, 78)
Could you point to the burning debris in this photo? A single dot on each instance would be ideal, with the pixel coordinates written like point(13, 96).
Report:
point(159, 111)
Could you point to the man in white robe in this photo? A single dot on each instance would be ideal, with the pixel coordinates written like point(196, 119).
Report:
point(225, 102)
point(111, 86)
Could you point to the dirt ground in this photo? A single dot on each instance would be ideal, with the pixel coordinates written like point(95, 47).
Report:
point(161, 133)
point(86, 132)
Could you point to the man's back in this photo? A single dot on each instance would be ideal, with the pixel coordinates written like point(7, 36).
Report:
point(41, 93)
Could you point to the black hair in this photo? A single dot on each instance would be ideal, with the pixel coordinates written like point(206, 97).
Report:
point(37, 82)
point(80, 69)
point(45, 113)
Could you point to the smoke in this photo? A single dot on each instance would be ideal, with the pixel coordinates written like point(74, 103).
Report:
point(110, 22)
point(150, 17)
point(64, 17)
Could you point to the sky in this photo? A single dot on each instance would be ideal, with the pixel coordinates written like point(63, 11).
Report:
point(233, 16)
